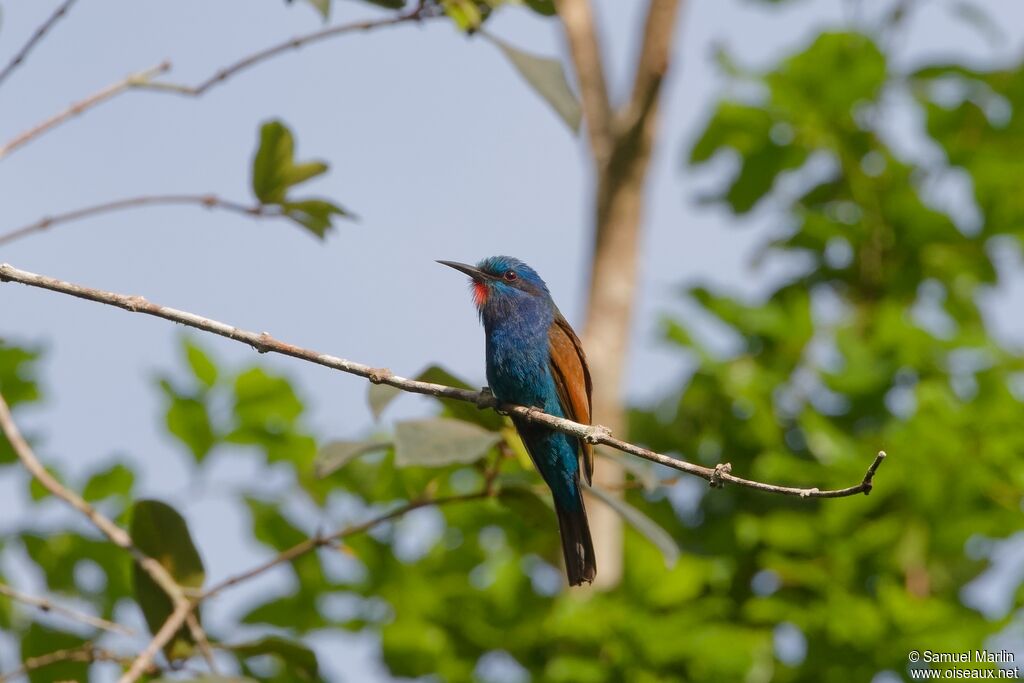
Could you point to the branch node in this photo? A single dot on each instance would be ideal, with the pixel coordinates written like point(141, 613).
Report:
point(136, 302)
point(596, 434)
point(379, 375)
point(263, 342)
point(715, 481)
point(810, 492)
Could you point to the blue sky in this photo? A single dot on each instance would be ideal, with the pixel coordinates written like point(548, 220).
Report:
point(432, 138)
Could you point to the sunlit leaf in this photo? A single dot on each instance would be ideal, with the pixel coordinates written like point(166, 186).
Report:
point(203, 367)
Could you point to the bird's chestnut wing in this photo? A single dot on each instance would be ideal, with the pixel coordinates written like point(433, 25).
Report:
point(572, 381)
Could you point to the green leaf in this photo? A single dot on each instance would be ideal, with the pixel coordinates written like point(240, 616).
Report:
point(642, 523)
point(336, 454)
point(441, 441)
point(467, 14)
point(203, 367)
point(187, 418)
point(299, 660)
point(547, 77)
point(265, 401)
point(542, 7)
point(274, 170)
point(18, 369)
point(323, 7)
point(314, 214)
point(160, 532)
point(116, 480)
point(387, 4)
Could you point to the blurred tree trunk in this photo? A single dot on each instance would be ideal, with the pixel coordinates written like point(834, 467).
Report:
point(620, 142)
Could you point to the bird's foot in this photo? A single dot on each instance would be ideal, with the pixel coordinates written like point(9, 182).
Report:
point(596, 433)
point(715, 481)
point(486, 399)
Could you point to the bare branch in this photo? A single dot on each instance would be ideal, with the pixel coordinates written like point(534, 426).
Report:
point(37, 35)
point(145, 658)
point(208, 201)
point(87, 653)
point(202, 641)
point(45, 605)
point(224, 73)
point(264, 343)
point(320, 541)
point(578, 19)
point(81, 106)
point(652, 64)
point(113, 532)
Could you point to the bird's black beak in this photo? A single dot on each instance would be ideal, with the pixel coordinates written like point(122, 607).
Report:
point(472, 271)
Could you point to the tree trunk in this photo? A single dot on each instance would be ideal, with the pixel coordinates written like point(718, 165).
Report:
point(621, 145)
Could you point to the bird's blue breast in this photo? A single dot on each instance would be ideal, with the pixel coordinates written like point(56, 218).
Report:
point(519, 371)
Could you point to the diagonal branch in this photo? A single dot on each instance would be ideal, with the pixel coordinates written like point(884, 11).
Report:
point(417, 14)
point(117, 535)
point(78, 107)
point(264, 343)
point(209, 201)
point(50, 607)
point(319, 541)
point(37, 35)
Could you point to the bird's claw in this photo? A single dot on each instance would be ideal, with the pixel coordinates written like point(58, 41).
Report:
point(715, 481)
point(596, 433)
point(485, 399)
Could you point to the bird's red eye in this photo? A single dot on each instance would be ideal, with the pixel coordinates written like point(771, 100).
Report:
point(510, 275)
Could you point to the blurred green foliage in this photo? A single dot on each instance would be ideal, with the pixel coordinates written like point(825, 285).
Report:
point(877, 342)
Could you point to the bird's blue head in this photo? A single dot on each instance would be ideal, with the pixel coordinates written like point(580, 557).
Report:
point(500, 281)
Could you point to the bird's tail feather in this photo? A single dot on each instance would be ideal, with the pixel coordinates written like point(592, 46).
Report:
point(578, 548)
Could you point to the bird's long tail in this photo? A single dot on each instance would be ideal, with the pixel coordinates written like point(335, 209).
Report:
point(578, 548)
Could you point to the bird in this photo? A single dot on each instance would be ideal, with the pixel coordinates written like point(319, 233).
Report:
point(535, 359)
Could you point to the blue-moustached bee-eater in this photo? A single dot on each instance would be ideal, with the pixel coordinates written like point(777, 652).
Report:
point(535, 359)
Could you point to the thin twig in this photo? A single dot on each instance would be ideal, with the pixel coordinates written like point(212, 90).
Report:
point(320, 541)
point(202, 641)
point(51, 607)
point(37, 35)
point(116, 534)
point(417, 14)
point(264, 343)
point(86, 653)
point(145, 658)
point(82, 105)
point(208, 201)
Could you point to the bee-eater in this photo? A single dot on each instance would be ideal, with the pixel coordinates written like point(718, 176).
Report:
point(535, 359)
